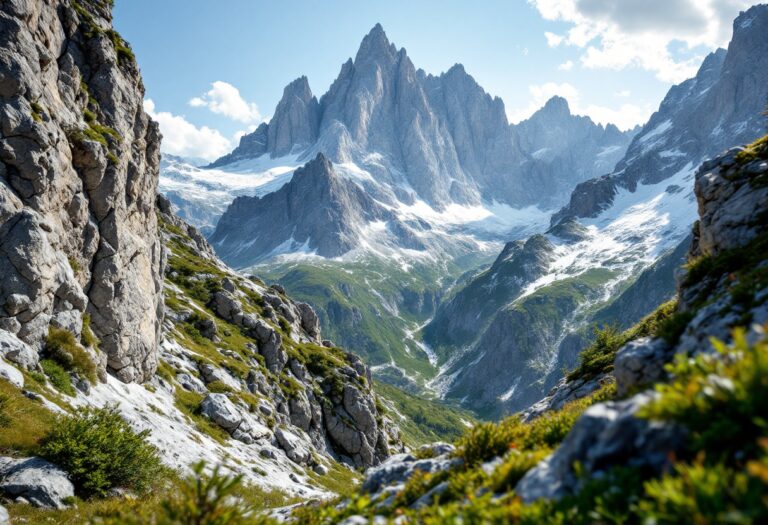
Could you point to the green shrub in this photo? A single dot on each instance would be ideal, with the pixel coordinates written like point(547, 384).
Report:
point(704, 494)
point(58, 376)
point(198, 499)
point(87, 337)
point(61, 347)
point(720, 398)
point(598, 357)
point(100, 450)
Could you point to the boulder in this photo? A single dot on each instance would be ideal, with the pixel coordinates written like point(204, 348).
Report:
point(309, 320)
point(14, 349)
point(191, 383)
point(399, 468)
point(41, 483)
point(301, 412)
point(212, 374)
point(219, 409)
point(606, 435)
point(295, 448)
point(270, 346)
point(640, 363)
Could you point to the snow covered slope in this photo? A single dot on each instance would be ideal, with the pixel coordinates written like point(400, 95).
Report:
point(504, 338)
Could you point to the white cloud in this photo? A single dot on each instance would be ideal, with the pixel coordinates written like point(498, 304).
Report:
point(639, 33)
point(566, 66)
point(225, 99)
point(624, 117)
point(553, 40)
point(624, 93)
point(183, 138)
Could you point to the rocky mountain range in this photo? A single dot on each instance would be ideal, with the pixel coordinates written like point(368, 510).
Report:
point(382, 209)
point(407, 138)
point(598, 257)
point(698, 119)
point(143, 380)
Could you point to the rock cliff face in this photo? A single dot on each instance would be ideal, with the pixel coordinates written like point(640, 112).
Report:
point(78, 176)
point(698, 119)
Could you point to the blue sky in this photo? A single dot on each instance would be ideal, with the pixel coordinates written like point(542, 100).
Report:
point(214, 70)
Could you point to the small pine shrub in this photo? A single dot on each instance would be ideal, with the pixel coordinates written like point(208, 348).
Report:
point(61, 347)
point(486, 440)
point(699, 493)
point(58, 376)
point(207, 499)
point(598, 357)
point(100, 450)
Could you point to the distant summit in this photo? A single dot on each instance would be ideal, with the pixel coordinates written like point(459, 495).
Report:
point(442, 140)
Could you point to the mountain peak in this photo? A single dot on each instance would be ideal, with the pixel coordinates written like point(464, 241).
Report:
point(375, 45)
point(557, 105)
point(299, 87)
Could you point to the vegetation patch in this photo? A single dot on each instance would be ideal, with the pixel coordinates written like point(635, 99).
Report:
point(599, 356)
point(61, 347)
point(24, 421)
point(58, 376)
point(100, 450)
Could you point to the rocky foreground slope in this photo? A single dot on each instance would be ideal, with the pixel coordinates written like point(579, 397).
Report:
point(673, 430)
point(108, 299)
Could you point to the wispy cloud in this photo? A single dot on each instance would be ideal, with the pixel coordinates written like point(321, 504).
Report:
point(225, 99)
point(616, 35)
point(181, 137)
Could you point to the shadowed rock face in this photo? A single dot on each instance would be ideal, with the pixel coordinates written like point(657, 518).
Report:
point(78, 176)
point(698, 119)
point(317, 211)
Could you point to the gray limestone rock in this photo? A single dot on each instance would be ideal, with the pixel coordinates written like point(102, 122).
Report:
point(41, 483)
point(191, 383)
point(296, 448)
point(14, 349)
point(219, 409)
point(640, 363)
point(78, 231)
point(607, 434)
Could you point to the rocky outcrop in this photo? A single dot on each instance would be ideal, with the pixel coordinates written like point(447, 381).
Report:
point(277, 388)
point(728, 247)
point(36, 481)
point(78, 176)
point(606, 435)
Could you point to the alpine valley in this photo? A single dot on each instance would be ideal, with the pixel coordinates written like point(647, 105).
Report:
point(430, 234)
